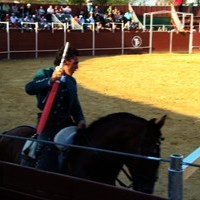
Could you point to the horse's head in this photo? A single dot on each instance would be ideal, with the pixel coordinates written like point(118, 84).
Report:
point(123, 132)
point(145, 171)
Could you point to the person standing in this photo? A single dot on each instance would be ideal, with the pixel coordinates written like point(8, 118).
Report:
point(90, 7)
point(66, 109)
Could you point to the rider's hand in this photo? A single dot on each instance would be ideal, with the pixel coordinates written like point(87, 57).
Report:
point(81, 124)
point(58, 72)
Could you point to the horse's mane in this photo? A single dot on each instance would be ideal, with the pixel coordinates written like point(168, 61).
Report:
point(109, 117)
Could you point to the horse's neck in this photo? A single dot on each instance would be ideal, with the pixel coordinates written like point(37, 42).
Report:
point(118, 140)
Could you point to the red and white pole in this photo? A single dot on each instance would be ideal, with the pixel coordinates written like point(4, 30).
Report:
point(51, 96)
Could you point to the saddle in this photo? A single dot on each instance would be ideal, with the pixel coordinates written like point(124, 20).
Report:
point(65, 137)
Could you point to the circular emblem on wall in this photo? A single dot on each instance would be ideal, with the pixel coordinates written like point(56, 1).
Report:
point(136, 41)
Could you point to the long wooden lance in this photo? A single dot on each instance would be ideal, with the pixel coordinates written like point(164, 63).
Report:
point(51, 96)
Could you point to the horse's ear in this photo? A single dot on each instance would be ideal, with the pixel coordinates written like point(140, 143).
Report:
point(161, 122)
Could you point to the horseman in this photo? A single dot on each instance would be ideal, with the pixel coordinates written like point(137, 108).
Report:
point(66, 109)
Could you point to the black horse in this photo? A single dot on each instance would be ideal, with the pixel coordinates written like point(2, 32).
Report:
point(121, 132)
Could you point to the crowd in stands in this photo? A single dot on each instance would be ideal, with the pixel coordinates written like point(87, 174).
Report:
point(21, 16)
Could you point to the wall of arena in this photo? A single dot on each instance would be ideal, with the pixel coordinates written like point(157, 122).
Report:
point(17, 43)
point(45, 42)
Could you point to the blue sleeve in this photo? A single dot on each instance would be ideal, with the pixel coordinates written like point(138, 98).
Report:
point(40, 83)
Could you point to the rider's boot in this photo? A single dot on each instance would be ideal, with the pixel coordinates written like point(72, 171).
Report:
point(48, 159)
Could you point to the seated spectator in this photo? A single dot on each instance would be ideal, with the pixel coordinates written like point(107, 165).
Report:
point(43, 24)
point(41, 11)
point(6, 8)
point(81, 19)
point(118, 17)
point(67, 10)
point(13, 20)
point(115, 11)
point(50, 11)
point(108, 20)
point(83, 13)
point(97, 10)
point(57, 9)
point(99, 17)
point(75, 23)
point(14, 9)
point(27, 26)
point(90, 21)
point(6, 18)
point(22, 11)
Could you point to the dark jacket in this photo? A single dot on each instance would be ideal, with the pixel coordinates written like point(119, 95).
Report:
point(66, 104)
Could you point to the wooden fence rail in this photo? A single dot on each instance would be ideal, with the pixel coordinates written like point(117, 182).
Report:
point(17, 182)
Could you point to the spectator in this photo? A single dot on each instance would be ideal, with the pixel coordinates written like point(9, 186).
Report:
point(41, 11)
point(108, 20)
point(22, 11)
point(128, 19)
point(99, 19)
point(109, 10)
point(44, 25)
point(90, 21)
point(50, 11)
point(81, 19)
point(14, 9)
point(115, 11)
point(6, 8)
point(56, 9)
point(118, 17)
point(83, 13)
point(76, 23)
point(7, 18)
point(13, 20)
point(67, 10)
point(28, 9)
point(89, 4)
point(97, 10)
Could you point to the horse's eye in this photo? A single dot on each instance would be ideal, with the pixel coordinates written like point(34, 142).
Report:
point(162, 138)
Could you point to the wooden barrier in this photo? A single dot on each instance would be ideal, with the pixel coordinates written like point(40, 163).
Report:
point(17, 182)
point(89, 43)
